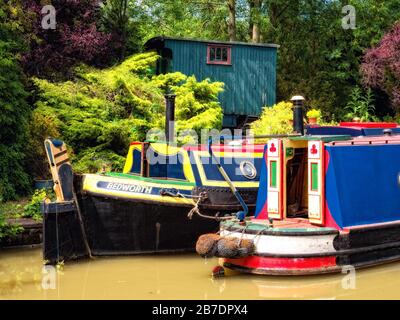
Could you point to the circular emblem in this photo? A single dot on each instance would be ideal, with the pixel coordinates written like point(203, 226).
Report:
point(248, 169)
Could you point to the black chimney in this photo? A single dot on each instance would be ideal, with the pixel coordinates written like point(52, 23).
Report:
point(169, 117)
point(298, 109)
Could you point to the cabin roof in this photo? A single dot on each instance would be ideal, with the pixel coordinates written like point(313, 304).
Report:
point(157, 41)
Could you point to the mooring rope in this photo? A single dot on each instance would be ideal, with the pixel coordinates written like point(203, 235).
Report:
point(196, 210)
point(85, 240)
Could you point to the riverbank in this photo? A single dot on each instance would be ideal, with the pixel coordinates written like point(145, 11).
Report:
point(22, 231)
point(30, 234)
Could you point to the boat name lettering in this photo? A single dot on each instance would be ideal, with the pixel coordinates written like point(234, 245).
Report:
point(129, 187)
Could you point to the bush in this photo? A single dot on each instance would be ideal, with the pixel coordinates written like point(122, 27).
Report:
point(102, 111)
point(360, 106)
point(32, 210)
point(314, 113)
point(275, 120)
point(7, 230)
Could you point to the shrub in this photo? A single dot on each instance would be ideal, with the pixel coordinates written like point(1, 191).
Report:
point(274, 120)
point(32, 209)
point(360, 106)
point(314, 113)
point(101, 111)
point(8, 230)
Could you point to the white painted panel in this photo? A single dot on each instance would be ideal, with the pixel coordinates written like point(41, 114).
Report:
point(314, 206)
point(270, 244)
point(273, 201)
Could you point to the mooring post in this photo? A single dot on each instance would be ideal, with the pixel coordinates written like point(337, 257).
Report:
point(298, 110)
point(170, 117)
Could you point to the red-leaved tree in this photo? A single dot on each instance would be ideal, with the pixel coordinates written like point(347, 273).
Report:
point(75, 39)
point(381, 66)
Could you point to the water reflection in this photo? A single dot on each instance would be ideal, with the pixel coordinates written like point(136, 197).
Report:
point(177, 277)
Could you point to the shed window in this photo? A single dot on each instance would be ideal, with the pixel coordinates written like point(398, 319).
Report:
point(217, 54)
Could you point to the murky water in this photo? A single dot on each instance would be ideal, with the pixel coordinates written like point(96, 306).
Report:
point(178, 277)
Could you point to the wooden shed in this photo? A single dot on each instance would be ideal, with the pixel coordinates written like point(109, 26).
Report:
point(247, 69)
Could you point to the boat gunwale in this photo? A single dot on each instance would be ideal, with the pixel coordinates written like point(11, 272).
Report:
point(282, 231)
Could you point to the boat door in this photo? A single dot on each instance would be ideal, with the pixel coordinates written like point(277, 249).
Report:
point(275, 183)
point(316, 185)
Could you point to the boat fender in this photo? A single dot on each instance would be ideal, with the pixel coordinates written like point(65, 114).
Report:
point(227, 248)
point(206, 245)
point(212, 245)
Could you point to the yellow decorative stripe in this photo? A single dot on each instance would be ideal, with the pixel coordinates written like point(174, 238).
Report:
point(91, 180)
point(129, 158)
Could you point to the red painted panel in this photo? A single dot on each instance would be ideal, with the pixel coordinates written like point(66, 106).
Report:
point(368, 124)
point(248, 148)
point(329, 221)
point(257, 262)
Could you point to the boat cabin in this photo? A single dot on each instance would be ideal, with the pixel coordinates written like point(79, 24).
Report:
point(332, 180)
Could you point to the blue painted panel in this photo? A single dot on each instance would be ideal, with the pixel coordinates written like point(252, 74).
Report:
point(334, 131)
point(262, 190)
point(167, 166)
point(137, 162)
point(195, 169)
point(362, 184)
point(231, 167)
point(377, 132)
point(354, 132)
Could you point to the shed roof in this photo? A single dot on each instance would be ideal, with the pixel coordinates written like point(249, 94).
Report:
point(156, 41)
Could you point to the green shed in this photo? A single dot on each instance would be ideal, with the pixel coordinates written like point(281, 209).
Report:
point(247, 69)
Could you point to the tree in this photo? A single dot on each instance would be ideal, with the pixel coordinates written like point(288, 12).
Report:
point(75, 39)
point(122, 19)
point(14, 110)
point(232, 20)
point(381, 66)
point(256, 19)
point(317, 57)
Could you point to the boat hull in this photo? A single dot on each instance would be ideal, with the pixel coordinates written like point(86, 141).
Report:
point(117, 227)
point(303, 251)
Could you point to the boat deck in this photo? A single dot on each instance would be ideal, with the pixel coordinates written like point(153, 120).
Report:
point(299, 223)
point(291, 226)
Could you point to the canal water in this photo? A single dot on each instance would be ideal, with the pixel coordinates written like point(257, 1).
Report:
point(22, 276)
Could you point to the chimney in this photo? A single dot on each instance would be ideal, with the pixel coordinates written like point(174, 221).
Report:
point(298, 110)
point(169, 117)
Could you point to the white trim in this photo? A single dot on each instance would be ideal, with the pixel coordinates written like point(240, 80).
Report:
point(270, 244)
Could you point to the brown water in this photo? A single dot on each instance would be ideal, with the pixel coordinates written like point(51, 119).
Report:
point(178, 277)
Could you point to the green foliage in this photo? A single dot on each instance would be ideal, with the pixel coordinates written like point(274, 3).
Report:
point(8, 230)
point(360, 106)
point(40, 127)
point(101, 111)
point(314, 113)
point(14, 110)
point(275, 120)
point(32, 209)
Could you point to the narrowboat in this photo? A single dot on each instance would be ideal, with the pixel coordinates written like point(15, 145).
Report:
point(328, 199)
point(163, 200)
